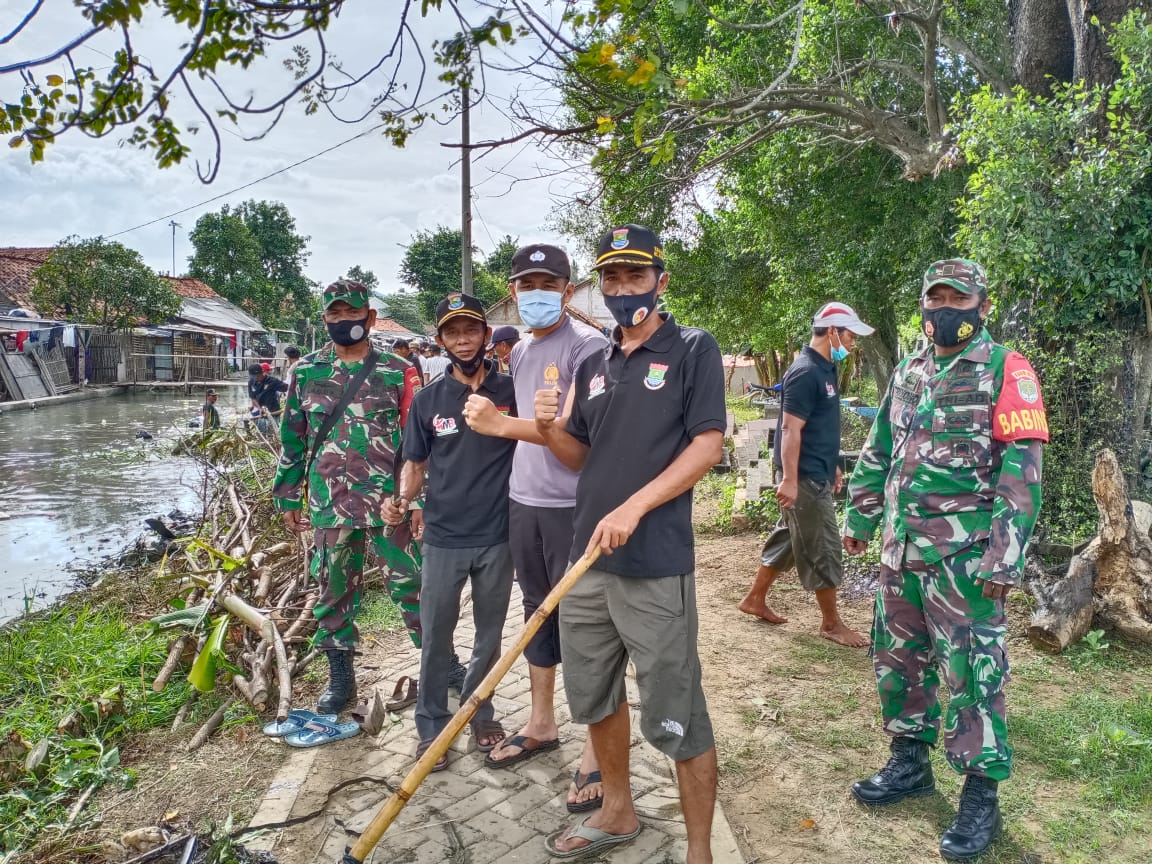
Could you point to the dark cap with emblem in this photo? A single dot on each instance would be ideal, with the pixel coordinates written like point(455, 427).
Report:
point(962, 274)
point(459, 306)
point(351, 292)
point(630, 244)
point(541, 258)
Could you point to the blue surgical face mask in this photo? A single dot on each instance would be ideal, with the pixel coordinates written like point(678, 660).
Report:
point(540, 308)
point(839, 352)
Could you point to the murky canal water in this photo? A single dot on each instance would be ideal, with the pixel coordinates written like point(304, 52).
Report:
point(76, 483)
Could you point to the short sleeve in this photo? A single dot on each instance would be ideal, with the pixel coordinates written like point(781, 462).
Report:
point(577, 423)
point(417, 437)
point(590, 345)
point(704, 407)
point(799, 397)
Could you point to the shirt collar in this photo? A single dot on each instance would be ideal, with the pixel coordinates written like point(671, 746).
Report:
point(820, 360)
point(489, 383)
point(979, 350)
point(660, 341)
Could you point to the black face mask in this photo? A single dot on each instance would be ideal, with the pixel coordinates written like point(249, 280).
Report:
point(347, 333)
point(948, 327)
point(467, 367)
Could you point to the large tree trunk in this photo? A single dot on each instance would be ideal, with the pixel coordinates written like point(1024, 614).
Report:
point(1109, 584)
point(1042, 45)
point(1094, 64)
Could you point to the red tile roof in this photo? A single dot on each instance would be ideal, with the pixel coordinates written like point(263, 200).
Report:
point(17, 264)
point(387, 325)
point(186, 287)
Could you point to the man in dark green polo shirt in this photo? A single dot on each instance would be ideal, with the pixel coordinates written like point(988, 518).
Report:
point(647, 422)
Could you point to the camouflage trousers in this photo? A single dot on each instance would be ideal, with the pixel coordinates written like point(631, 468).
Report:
point(338, 566)
point(932, 619)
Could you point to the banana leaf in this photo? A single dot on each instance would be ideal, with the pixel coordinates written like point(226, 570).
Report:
point(189, 617)
point(203, 673)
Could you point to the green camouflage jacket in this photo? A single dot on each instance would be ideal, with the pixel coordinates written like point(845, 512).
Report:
point(953, 459)
point(353, 470)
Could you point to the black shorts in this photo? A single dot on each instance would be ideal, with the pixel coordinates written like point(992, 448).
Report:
point(540, 539)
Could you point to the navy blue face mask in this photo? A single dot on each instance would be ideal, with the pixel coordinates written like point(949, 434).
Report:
point(629, 310)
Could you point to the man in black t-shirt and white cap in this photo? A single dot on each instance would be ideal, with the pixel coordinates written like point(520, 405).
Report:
point(807, 453)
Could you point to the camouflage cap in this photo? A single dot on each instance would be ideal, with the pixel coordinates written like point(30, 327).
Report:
point(353, 293)
point(963, 274)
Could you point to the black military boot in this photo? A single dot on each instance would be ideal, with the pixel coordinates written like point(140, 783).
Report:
point(341, 683)
point(908, 772)
point(977, 821)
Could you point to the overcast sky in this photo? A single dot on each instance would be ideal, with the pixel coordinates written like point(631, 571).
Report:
point(358, 204)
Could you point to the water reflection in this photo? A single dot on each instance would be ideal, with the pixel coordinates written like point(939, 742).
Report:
point(76, 483)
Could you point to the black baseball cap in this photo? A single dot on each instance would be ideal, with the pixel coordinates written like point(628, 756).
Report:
point(505, 333)
point(541, 258)
point(630, 244)
point(209, 392)
point(459, 305)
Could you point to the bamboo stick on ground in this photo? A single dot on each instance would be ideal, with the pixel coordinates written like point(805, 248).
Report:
point(283, 675)
point(174, 654)
point(212, 724)
point(423, 767)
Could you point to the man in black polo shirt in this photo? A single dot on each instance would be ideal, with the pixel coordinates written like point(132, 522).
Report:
point(647, 422)
point(807, 453)
point(465, 517)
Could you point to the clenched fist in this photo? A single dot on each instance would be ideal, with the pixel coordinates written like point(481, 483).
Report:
point(546, 408)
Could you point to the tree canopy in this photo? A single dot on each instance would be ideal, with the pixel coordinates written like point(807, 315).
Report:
point(97, 281)
point(252, 255)
point(433, 267)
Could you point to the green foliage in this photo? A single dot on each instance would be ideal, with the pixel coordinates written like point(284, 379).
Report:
point(1060, 201)
point(432, 266)
point(56, 663)
point(403, 307)
point(252, 255)
point(98, 281)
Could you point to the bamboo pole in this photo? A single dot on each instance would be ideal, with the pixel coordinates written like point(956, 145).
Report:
point(423, 767)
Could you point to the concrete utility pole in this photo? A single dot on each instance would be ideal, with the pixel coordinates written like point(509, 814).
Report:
point(465, 198)
point(174, 225)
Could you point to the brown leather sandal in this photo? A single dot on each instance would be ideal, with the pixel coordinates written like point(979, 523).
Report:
point(403, 695)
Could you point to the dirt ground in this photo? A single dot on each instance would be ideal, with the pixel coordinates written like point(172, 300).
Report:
point(797, 721)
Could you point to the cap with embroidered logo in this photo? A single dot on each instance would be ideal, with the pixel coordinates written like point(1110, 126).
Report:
point(541, 258)
point(630, 244)
point(963, 274)
point(459, 305)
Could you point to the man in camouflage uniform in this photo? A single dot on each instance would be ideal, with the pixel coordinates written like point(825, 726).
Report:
point(349, 480)
point(952, 467)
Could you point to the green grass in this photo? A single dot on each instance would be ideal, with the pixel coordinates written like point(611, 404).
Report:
point(57, 662)
point(379, 614)
point(742, 410)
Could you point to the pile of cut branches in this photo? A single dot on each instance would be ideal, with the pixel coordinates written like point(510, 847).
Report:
point(242, 602)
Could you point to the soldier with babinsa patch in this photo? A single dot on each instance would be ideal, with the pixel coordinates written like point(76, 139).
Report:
point(951, 470)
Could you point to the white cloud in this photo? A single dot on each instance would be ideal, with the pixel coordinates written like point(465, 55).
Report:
point(358, 204)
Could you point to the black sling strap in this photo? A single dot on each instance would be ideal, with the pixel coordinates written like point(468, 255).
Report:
point(345, 400)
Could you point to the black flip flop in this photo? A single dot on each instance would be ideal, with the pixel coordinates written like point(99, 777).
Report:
point(591, 803)
point(529, 747)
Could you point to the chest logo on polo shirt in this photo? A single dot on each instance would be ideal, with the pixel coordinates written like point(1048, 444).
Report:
point(444, 425)
point(552, 375)
point(831, 388)
point(596, 386)
point(655, 378)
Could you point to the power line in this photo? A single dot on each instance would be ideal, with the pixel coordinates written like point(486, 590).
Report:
point(251, 183)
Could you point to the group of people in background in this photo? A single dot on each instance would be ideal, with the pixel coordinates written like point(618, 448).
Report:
point(495, 455)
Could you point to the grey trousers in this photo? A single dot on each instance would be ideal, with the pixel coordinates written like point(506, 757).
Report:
point(443, 576)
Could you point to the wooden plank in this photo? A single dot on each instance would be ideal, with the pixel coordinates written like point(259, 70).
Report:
point(25, 382)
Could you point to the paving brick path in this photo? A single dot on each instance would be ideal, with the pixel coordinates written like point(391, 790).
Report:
point(468, 813)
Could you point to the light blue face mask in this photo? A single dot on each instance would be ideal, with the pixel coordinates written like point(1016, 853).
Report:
point(540, 308)
point(839, 353)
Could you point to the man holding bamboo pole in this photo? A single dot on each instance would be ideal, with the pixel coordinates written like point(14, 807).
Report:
point(647, 422)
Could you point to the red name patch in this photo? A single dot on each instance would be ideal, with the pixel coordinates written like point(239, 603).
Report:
point(1019, 413)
